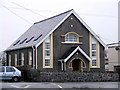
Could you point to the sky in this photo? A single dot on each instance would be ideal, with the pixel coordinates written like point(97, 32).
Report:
point(17, 16)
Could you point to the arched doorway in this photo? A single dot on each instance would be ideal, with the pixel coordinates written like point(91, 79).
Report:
point(78, 65)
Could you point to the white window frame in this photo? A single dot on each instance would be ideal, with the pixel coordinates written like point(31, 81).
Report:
point(94, 50)
point(16, 59)
point(22, 58)
point(47, 57)
point(50, 49)
point(47, 45)
point(9, 60)
point(47, 53)
point(94, 44)
point(94, 54)
point(47, 62)
point(94, 62)
point(30, 57)
point(74, 38)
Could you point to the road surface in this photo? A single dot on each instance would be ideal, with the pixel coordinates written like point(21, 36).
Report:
point(60, 86)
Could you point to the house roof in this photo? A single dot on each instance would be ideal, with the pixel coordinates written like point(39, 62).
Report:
point(39, 31)
point(113, 45)
point(71, 52)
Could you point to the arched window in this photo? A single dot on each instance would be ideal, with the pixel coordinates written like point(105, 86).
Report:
point(71, 37)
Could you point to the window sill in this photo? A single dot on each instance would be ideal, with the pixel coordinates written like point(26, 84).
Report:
point(95, 67)
point(47, 67)
point(72, 42)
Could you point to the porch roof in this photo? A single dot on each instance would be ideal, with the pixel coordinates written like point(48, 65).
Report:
point(71, 52)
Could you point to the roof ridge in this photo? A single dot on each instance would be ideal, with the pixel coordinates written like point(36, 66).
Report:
point(53, 16)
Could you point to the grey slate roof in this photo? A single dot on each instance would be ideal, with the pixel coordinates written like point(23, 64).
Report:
point(67, 53)
point(38, 29)
point(37, 33)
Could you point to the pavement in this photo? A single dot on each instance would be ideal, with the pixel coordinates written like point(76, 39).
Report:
point(60, 86)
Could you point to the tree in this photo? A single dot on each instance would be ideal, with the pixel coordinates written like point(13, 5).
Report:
point(2, 58)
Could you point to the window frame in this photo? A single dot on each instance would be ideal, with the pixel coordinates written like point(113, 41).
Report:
point(71, 37)
point(22, 58)
point(30, 57)
point(94, 64)
point(94, 52)
point(10, 59)
point(47, 45)
point(47, 62)
point(47, 55)
point(16, 59)
point(93, 46)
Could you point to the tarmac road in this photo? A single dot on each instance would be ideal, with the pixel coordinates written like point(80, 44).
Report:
point(60, 86)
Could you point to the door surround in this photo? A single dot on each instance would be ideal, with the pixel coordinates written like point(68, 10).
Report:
point(77, 64)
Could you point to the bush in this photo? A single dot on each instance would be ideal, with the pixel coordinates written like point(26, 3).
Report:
point(29, 74)
point(33, 74)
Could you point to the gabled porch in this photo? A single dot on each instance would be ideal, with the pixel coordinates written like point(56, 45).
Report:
point(75, 59)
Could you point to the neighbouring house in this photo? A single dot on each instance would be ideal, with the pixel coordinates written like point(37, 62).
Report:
point(113, 61)
point(60, 43)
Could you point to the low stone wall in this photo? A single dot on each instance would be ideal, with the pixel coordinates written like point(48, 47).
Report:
point(77, 77)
